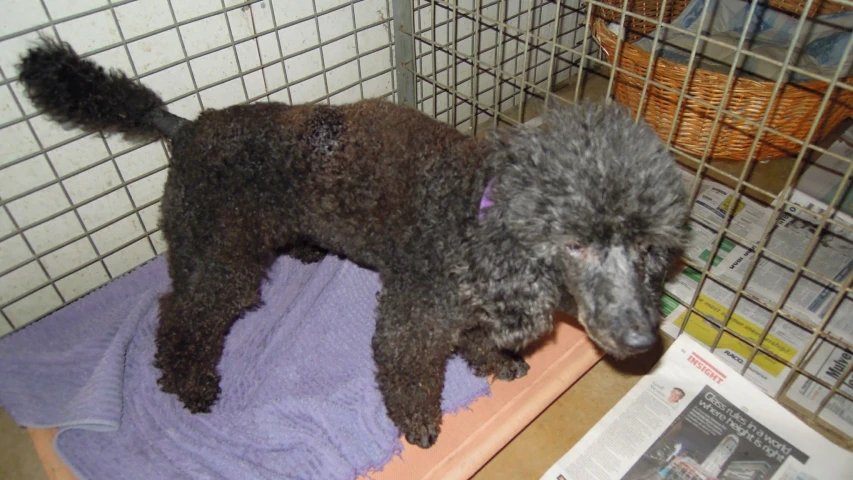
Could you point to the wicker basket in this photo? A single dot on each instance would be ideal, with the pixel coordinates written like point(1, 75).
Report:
point(792, 113)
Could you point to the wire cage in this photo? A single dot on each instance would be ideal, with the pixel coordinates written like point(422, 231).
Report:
point(766, 282)
point(792, 111)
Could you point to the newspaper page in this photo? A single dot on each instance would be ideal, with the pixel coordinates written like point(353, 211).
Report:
point(822, 179)
point(826, 362)
point(694, 417)
point(816, 187)
point(808, 301)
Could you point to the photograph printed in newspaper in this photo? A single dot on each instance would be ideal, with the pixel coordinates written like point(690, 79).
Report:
point(694, 417)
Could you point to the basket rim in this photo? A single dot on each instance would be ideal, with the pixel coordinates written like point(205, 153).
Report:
point(795, 7)
point(703, 76)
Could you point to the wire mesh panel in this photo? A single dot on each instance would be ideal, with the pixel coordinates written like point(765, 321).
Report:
point(77, 209)
point(768, 281)
point(754, 99)
point(476, 61)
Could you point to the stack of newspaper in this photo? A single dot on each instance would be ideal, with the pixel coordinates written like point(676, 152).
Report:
point(694, 417)
point(809, 301)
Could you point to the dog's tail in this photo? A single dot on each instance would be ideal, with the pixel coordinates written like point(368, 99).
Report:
point(79, 92)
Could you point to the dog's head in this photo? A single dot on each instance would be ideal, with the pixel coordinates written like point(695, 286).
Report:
point(596, 198)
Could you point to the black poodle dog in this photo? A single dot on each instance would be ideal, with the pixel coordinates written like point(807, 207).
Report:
point(476, 241)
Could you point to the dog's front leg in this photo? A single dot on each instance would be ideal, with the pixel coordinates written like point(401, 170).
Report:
point(411, 347)
point(486, 358)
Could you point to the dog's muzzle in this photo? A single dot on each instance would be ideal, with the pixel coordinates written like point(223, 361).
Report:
point(614, 304)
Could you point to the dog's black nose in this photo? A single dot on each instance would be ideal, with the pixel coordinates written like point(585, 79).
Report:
point(640, 340)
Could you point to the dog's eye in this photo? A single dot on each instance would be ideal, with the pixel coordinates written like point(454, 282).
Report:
point(573, 248)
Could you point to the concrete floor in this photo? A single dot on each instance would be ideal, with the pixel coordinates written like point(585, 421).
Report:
point(18, 459)
point(566, 421)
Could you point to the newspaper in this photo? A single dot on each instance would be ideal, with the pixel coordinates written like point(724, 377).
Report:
point(822, 179)
point(694, 417)
point(808, 301)
point(827, 363)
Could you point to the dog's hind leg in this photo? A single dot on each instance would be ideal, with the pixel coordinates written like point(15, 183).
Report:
point(482, 355)
point(195, 319)
point(411, 351)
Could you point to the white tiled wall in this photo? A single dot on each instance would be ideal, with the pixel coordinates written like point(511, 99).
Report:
point(77, 209)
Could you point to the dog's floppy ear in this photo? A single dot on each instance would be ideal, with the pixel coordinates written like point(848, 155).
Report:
point(508, 291)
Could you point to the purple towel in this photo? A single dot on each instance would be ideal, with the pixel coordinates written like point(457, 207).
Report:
point(298, 400)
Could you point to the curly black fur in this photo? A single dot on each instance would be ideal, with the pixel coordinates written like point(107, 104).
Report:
point(588, 212)
point(80, 93)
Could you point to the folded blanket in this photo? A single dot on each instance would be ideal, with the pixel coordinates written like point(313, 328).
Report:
point(298, 400)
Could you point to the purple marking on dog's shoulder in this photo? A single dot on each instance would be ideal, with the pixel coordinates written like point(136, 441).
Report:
point(486, 202)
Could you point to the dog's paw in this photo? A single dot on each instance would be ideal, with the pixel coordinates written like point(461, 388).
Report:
point(307, 254)
point(201, 397)
point(198, 395)
point(503, 365)
point(422, 434)
point(513, 369)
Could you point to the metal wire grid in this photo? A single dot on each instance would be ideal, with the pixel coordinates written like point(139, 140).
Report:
point(20, 306)
point(489, 56)
point(777, 311)
point(448, 89)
